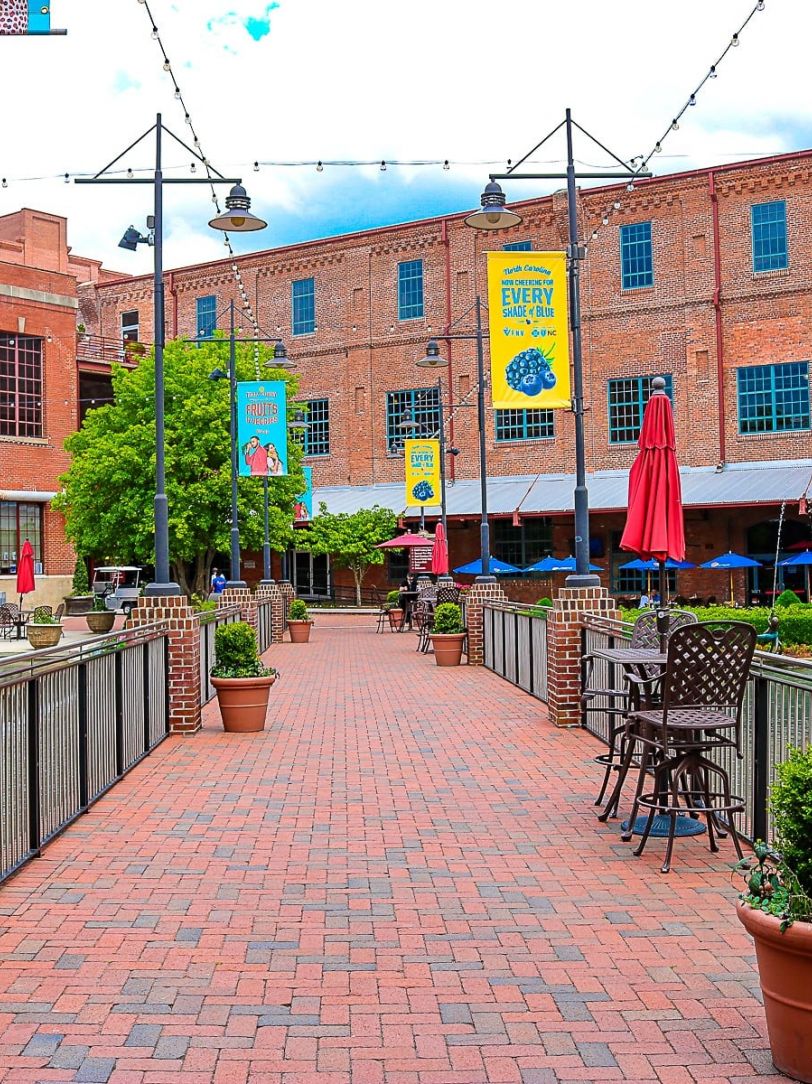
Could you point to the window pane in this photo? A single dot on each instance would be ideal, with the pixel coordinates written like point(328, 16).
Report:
point(525, 424)
point(518, 246)
point(303, 321)
point(317, 433)
point(769, 228)
point(424, 405)
point(636, 262)
point(773, 398)
point(206, 316)
point(523, 545)
point(129, 326)
point(627, 401)
point(20, 385)
point(18, 522)
point(410, 290)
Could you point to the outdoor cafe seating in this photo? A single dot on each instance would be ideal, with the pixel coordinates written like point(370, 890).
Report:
point(702, 692)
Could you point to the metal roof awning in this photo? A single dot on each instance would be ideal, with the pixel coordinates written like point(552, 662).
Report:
point(37, 496)
point(768, 483)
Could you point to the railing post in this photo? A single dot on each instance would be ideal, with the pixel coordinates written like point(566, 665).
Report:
point(119, 694)
point(34, 839)
point(761, 755)
point(83, 736)
point(531, 661)
point(516, 635)
point(583, 672)
point(145, 692)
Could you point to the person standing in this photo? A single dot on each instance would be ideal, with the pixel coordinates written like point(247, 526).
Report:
point(218, 582)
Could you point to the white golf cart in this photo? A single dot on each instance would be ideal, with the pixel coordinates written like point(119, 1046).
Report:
point(118, 585)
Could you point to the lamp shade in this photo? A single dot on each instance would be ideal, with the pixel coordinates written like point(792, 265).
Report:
point(237, 217)
point(432, 358)
point(493, 214)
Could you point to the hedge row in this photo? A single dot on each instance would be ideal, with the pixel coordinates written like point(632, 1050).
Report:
point(795, 622)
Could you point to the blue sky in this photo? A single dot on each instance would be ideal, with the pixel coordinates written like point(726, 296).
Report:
point(369, 79)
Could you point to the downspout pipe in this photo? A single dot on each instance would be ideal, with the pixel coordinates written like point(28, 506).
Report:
point(446, 241)
point(717, 312)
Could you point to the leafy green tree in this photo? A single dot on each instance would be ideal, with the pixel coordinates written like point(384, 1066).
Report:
point(108, 491)
point(350, 538)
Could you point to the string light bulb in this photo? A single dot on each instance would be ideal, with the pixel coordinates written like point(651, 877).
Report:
point(319, 167)
point(67, 179)
point(734, 40)
point(605, 220)
point(630, 186)
point(712, 73)
point(167, 66)
point(446, 164)
point(129, 174)
point(256, 167)
point(658, 147)
point(760, 5)
point(155, 33)
point(193, 168)
point(4, 183)
point(674, 124)
point(692, 100)
point(616, 205)
point(177, 93)
point(383, 167)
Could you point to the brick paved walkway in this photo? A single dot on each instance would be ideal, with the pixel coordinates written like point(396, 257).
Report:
point(401, 882)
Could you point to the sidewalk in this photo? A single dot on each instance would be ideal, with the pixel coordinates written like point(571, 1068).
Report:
point(401, 882)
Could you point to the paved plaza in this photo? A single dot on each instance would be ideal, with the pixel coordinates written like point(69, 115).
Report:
point(401, 882)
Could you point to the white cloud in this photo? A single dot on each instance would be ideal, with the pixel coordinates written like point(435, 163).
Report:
point(460, 79)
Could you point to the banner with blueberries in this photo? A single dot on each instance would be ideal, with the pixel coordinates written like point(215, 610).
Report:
point(422, 464)
point(529, 330)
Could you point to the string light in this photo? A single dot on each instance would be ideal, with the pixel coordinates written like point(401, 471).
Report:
point(319, 167)
point(129, 174)
point(383, 167)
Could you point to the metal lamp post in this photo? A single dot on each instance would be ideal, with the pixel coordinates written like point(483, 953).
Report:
point(241, 221)
point(433, 360)
point(495, 215)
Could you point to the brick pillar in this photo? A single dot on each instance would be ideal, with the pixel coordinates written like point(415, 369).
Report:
point(274, 592)
point(564, 648)
point(288, 594)
point(479, 593)
point(184, 655)
point(242, 597)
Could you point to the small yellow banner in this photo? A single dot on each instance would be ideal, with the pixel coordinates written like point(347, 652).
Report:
point(529, 330)
point(422, 471)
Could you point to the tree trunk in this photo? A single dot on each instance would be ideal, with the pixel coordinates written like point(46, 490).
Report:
point(358, 574)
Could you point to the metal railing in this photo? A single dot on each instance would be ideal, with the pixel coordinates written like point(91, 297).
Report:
point(264, 623)
point(515, 645)
point(776, 716)
point(209, 621)
point(73, 720)
point(105, 349)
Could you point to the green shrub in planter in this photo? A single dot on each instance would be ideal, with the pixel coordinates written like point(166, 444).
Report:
point(548, 602)
point(787, 598)
point(42, 616)
point(448, 619)
point(791, 805)
point(298, 611)
point(99, 606)
point(235, 648)
point(392, 599)
point(81, 584)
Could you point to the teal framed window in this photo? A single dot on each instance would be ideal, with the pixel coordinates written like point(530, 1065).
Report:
point(627, 401)
point(773, 398)
point(523, 424)
point(317, 433)
point(303, 306)
point(410, 290)
point(206, 316)
point(424, 405)
point(518, 246)
point(636, 259)
point(768, 223)
point(522, 545)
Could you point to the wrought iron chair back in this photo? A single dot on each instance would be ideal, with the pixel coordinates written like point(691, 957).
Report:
point(6, 621)
point(645, 632)
point(448, 594)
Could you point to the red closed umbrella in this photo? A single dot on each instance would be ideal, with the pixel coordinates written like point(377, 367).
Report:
point(25, 571)
point(439, 552)
point(654, 524)
point(405, 542)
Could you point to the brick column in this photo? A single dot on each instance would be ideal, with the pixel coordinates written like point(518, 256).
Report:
point(479, 593)
point(288, 594)
point(274, 592)
point(564, 648)
point(242, 597)
point(184, 655)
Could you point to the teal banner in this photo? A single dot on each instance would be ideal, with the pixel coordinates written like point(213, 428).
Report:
point(303, 509)
point(262, 428)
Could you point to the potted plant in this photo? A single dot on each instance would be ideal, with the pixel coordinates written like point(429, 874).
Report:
point(43, 630)
point(100, 619)
point(447, 634)
point(299, 624)
point(776, 910)
point(240, 679)
point(80, 599)
point(395, 610)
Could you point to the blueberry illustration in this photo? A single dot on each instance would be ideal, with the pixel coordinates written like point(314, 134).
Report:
point(422, 491)
point(531, 384)
point(524, 369)
point(548, 378)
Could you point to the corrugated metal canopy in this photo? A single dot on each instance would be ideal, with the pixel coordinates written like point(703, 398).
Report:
point(552, 494)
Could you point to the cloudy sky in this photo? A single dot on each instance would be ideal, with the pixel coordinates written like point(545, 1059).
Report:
point(471, 81)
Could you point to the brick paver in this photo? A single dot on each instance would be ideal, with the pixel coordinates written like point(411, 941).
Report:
point(401, 882)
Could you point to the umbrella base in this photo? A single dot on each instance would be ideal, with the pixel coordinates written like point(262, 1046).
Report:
point(661, 826)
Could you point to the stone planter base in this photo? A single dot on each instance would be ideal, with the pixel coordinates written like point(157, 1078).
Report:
point(100, 621)
point(43, 635)
point(78, 605)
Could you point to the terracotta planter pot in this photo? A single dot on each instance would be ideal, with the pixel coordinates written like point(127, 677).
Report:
point(243, 702)
point(396, 619)
point(100, 620)
point(43, 635)
point(299, 631)
point(447, 647)
point(785, 971)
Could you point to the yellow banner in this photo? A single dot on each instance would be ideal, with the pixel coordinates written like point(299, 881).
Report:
point(422, 472)
point(529, 330)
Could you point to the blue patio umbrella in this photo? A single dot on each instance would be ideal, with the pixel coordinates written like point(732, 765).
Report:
point(558, 564)
point(800, 560)
point(495, 566)
point(731, 561)
point(652, 566)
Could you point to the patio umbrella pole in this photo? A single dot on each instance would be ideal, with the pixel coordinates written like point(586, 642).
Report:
point(662, 609)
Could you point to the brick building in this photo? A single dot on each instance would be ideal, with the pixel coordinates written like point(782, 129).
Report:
point(703, 277)
point(39, 391)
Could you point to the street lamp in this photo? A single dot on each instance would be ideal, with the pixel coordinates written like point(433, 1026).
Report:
point(433, 360)
point(131, 239)
point(495, 215)
point(280, 361)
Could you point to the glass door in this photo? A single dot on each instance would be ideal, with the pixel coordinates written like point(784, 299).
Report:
point(311, 575)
